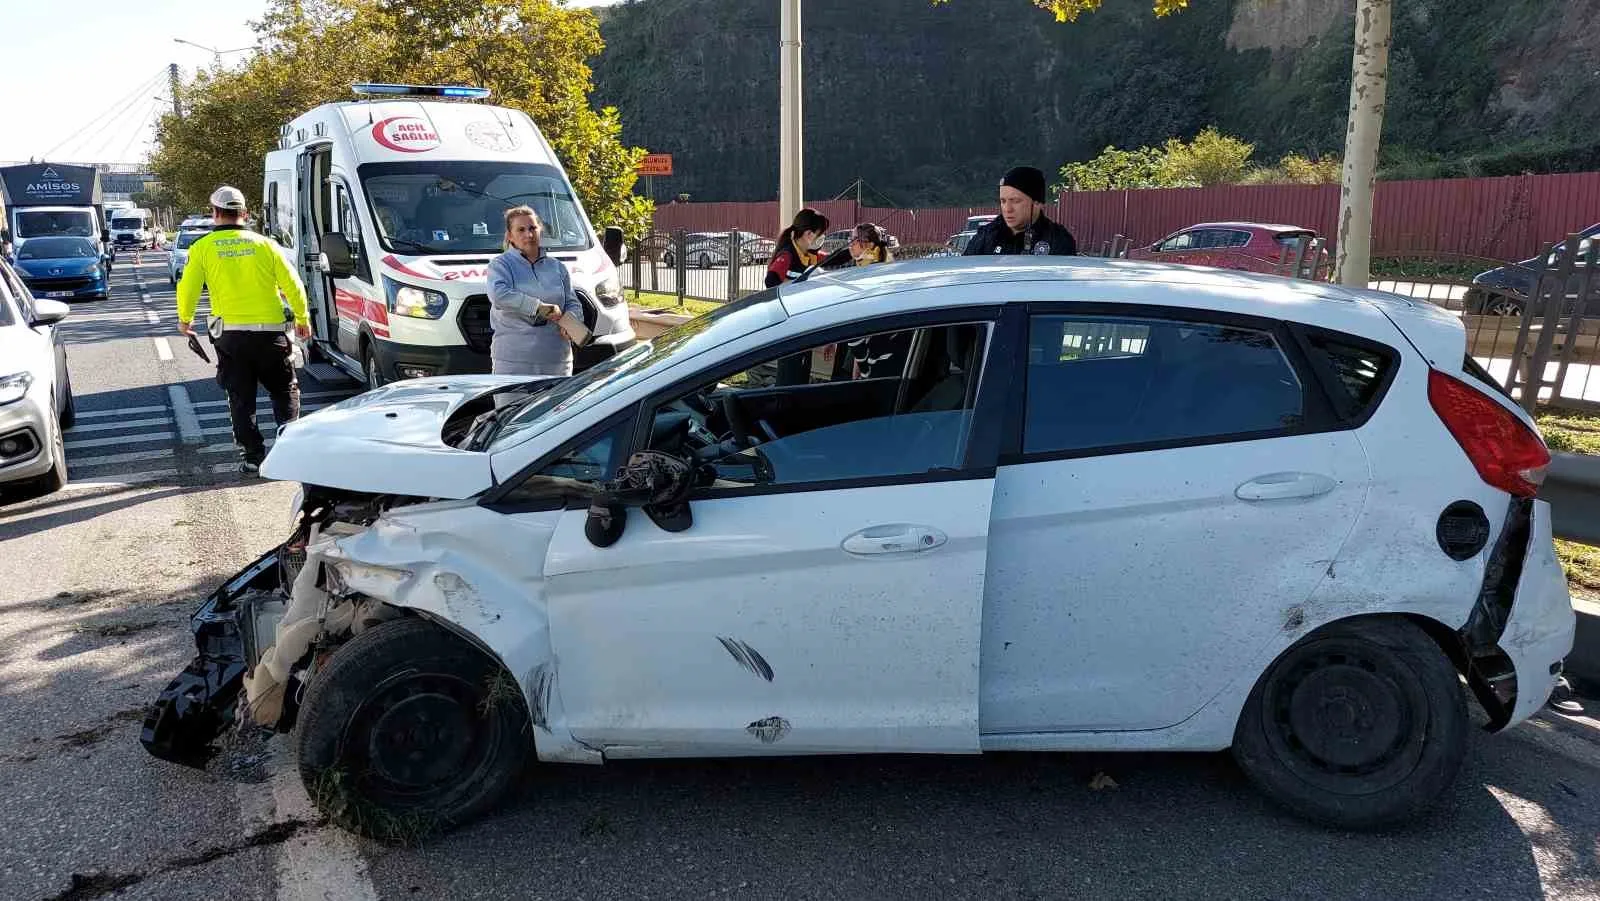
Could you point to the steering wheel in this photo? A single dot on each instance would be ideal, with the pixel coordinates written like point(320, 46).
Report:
point(697, 401)
point(737, 423)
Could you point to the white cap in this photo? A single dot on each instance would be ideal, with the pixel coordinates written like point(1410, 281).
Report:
point(227, 197)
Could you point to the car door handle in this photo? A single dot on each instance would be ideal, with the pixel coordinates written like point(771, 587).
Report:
point(893, 539)
point(1283, 485)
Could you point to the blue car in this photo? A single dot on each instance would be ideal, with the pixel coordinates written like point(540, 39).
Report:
point(65, 268)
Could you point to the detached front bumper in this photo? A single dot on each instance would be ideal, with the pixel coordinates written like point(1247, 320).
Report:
point(200, 704)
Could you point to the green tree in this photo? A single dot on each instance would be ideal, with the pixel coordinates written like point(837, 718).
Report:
point(1070, 10)
point(1115, 170)
point(533, 54)
point(1212, 158)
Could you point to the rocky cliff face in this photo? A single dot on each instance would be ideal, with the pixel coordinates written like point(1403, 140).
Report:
point(929, 104)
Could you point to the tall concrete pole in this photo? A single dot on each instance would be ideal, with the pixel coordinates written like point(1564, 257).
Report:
point(791, 164)
point(172, 83)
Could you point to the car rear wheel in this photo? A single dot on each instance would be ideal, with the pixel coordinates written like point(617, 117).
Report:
point(69, 409)
point(369, 364)
point(705, 261)
point(668, 260)
point(1361, 724)
point(408, 730)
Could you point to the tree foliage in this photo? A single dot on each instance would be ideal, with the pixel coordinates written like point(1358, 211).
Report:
point(1070, 10)
point(1212, 158)
point(533, 54)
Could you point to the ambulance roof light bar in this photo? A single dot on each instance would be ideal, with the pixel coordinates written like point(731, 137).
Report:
point(421, 90)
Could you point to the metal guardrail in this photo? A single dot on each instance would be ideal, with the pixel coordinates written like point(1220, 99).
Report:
point(1572, 486)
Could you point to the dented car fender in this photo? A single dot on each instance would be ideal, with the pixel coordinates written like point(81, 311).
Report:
point(477, 573)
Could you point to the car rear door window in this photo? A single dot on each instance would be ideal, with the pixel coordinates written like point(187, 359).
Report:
point(1096, 383)
point(1358, 372)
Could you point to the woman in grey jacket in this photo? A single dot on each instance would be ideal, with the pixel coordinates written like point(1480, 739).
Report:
point(528, 293)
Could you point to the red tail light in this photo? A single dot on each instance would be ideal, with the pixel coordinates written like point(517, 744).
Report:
point(1508, 455)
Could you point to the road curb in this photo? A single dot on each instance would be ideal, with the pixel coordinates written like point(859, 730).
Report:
point(1583, 664)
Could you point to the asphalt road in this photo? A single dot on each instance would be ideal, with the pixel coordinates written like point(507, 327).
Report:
point(99, 579)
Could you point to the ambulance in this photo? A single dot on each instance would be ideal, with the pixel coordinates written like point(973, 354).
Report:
point(392, 205)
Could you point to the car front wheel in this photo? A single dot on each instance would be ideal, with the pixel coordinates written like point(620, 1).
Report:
point(1361, 724)
point(408, 730)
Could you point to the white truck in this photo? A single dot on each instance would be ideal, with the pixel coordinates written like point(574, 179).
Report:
point(392, 205)
point(53, 200)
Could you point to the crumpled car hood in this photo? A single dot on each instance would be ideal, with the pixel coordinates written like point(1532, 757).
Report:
point(389, 441)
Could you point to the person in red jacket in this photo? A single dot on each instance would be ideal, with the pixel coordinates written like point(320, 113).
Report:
point(797, 247)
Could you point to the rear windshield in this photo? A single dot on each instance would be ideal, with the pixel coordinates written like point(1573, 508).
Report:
point(1290, 239)
point(187, 238)
point(1360, 372)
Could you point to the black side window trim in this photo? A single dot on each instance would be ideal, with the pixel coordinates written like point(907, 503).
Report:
point(1338, 398)
point(1320, 415)
point(363, 264)
point(499, 498)
point(981, 455)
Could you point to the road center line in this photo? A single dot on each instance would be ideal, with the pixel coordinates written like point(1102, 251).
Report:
point(152, 317)
point(183, 413)
point(163, 349)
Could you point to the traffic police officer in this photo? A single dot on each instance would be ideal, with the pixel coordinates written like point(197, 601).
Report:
point(245, 273)
point(1022, 227)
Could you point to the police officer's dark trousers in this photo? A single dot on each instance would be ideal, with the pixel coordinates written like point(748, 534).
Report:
point(246, 359)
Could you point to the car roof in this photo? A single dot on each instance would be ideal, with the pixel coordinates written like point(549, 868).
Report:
point(1264, 226)
point(1268, 296)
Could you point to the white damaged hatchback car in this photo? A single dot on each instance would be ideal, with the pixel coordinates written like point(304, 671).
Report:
point(952, 506)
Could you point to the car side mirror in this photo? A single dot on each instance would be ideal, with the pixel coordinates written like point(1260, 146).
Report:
point(49, 312)
point(341, 263)
point(657, 482)
point(612, 242)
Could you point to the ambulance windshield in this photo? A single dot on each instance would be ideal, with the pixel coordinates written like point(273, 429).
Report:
point(458, 206)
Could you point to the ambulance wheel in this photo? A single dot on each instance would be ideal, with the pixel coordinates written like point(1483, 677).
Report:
point(369, 365)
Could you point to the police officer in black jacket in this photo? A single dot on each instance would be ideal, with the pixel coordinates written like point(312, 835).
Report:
point(1022, 226)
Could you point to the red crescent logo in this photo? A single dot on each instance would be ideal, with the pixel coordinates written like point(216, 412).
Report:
point(407, 134)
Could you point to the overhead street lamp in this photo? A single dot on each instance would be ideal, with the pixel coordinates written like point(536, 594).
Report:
point(216, 54)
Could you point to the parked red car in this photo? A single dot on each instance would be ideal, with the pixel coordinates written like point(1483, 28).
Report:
point(1250, 246)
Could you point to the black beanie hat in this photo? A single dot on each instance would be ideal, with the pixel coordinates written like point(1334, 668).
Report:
point(1026, 179)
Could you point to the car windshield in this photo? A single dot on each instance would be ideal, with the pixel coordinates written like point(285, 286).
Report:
point(57, 249)
point(721, 325)
point(126, 223)
point(43, 223)
point(187, 238)
point(459, 206)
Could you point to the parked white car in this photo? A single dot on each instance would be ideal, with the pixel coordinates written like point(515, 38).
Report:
point(35, 388)
point(951, 506)
point(178, 254)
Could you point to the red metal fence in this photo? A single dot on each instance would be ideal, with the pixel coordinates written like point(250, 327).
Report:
point(1492, 218)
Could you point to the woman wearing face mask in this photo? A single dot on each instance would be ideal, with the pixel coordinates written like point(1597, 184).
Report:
point(868, 245)
point(797, 247)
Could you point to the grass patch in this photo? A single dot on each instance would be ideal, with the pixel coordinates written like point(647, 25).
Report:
point(649, 300)
point(1569, 432)
point(331, 792)
point(1582, 563)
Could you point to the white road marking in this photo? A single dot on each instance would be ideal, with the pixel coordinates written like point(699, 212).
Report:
point(113, 459)
point(152, 317)
point(125, 424)
point(114, 441)
point(125, 411)
point(124, 480)
point(319, 863)
point(163, 349)
point(262, 401)
point(260, 409)
point(183, 412)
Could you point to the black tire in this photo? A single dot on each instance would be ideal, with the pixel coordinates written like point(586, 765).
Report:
point(369, 366)
point(56, 478)
point(361, 756)
point(1360, 725)
point(69, 410)
point(705, 261)
point(668, 260)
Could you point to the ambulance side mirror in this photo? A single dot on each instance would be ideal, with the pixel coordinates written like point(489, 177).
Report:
point(612, 242)
point(341, 264)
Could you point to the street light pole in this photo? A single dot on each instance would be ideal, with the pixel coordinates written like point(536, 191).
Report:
point(791, 162)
